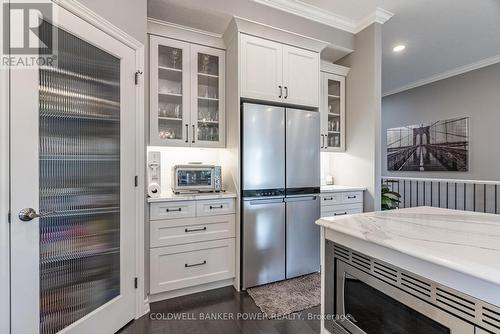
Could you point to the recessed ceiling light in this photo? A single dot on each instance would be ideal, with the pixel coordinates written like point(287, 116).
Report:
point(399, 48)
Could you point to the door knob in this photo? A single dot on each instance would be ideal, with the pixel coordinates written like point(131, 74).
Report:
point(28, 214)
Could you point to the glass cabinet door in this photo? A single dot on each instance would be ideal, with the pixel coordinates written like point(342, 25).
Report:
point(169, 91)
point(334, 112)
point(207, 106)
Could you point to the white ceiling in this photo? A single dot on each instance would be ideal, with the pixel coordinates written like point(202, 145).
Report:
point(441, 35)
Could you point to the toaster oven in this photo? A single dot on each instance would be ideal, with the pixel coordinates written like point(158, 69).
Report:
point(196, 178)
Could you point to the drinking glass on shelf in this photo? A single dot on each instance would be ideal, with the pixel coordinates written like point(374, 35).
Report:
point(205, 62)
point(174, 57)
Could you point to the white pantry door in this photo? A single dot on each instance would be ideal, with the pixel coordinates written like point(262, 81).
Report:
point(72, 181)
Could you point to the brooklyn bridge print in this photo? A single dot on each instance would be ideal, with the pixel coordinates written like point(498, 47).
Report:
point(436, 146)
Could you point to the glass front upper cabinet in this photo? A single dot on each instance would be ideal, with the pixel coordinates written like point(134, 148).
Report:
point(333, 113)
point(187, 94)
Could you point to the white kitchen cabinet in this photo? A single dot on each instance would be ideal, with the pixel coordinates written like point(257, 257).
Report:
point(300, 76)
point(275, 72)
point(341, 203)
point(332, 107)
point(261, 69)
point(332, 112)
point(192, 245)
point(187, 99)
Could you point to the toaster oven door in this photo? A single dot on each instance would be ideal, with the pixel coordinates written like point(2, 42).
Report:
point(194, 179)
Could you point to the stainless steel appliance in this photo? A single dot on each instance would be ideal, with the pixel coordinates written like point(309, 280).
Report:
point(280, 186)
point(364, 295)
point(196, 178)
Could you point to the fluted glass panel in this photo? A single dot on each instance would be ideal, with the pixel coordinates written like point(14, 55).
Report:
point(79, 100)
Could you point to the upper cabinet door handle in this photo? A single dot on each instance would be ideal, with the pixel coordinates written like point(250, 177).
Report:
point(281, 91)
point(187, 133)
point(322, 141)
point(194, 135)
point(286, 92)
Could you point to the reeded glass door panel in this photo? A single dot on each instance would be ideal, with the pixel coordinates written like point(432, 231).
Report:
point(208, 97)
point(170, 107)
point(334, 113)
point(79, 101)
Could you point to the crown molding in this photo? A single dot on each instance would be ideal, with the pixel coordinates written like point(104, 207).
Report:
point(313, 13)
point(445, 75)
point(380, 15)
point(185, 33)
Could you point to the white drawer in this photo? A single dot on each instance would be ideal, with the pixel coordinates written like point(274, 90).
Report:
point(213, 207)
point(352, 197)
point(172, 210)
point(338, 210)
point(182, 231)
point(331, 199)
point(177, 267)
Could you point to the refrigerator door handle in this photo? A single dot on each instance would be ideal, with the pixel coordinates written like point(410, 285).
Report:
point(300, 199)
point(266, 201)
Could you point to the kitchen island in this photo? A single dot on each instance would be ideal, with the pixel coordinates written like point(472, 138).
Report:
point(436, 264)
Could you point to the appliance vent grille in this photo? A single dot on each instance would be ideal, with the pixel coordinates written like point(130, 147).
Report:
point(491, 318)
point(416, 286)
point(341, 253)
point(386, 272)
point(464, 306)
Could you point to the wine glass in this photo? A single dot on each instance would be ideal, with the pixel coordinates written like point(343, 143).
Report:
point(174, 57)
point(205, 60)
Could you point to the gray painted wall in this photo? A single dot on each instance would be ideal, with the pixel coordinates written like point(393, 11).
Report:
point(475, 94)
point(360, 164)
point(128, 15)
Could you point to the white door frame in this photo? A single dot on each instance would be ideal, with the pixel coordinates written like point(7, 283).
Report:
point(142, 305)
point(4, 194)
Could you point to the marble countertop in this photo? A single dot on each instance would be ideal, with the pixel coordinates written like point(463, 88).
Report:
point(337, 188)
point(169, 196)
point(467, 242)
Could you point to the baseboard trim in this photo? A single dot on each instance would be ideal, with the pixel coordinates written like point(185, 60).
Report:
point(190, 290)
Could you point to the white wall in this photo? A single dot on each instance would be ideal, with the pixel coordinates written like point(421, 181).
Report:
point(360, 164)
point(475, 94)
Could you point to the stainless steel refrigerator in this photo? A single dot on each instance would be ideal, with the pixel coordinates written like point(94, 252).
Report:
point(280, 187)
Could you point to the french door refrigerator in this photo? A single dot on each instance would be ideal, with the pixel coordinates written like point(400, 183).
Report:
point(280, 186)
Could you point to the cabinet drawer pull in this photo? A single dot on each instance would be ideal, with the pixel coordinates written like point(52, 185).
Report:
point(216, 207)
point(174, 210)
point(328, 199)
point(351, 197)
point(195, 229)
point(340, 214)
point(195, 264)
